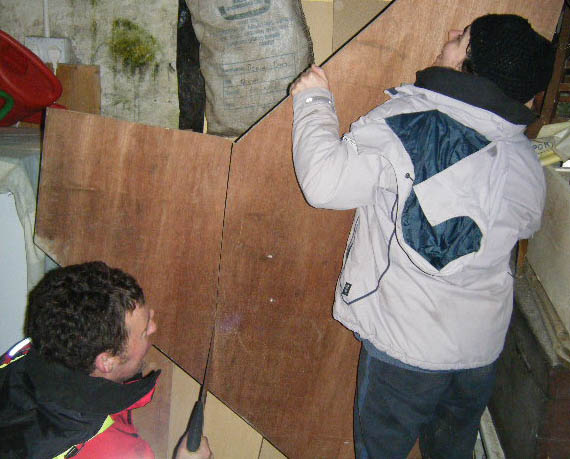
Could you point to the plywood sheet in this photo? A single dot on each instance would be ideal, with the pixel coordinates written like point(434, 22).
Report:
point(229, 435)
point(352, 15)
point(145, 199)
point(81, 87)
point(154, 421)
point(319, 17)
point(280, 360)
point(268, 451)
point(163, 422)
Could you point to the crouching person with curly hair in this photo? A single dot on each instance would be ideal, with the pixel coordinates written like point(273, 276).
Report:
point(69, 391)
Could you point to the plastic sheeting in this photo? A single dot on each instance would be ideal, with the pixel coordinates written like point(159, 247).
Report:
point(19, 170)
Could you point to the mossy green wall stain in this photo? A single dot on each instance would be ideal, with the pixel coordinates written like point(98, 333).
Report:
point(93, 30)
point(132, 45)
point(121, 99)
point(93, 3)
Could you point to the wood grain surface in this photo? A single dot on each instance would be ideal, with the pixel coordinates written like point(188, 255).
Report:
point(280, 360)
point(148, 200)
point(81, 87)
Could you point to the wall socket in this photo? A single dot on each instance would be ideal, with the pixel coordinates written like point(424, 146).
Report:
point(50, 50)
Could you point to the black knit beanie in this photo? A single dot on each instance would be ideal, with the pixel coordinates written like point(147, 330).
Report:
point(505, 49)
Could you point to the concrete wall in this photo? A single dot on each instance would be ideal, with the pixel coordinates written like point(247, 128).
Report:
point(142, 93)
point(149, 94)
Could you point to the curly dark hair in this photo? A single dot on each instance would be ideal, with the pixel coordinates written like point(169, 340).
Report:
point(77, 312)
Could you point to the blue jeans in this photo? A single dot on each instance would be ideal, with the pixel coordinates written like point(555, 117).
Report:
point(393, 406)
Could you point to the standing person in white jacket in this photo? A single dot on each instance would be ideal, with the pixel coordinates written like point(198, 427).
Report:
point(444, 183)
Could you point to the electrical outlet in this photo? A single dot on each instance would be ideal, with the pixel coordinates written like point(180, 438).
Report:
point(51, 50)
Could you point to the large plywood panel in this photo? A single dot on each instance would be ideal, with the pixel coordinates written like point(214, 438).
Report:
point(145, 199)
point(280, 360)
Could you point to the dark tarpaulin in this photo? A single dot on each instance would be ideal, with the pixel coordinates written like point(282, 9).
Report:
point(191, 90)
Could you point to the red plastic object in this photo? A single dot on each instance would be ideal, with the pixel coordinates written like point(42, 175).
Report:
point(37, 117)
point(32, 85)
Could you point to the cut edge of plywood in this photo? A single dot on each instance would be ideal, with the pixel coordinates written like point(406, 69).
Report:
point(319, 18)
point(268, 451)
point(81, 87)
point(350, 17)
point(229, 435)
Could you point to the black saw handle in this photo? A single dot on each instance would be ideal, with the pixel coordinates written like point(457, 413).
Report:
point(195, 426)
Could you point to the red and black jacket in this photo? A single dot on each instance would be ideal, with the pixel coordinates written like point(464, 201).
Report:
point(46, 409)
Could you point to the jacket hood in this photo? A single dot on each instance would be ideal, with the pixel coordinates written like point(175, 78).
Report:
point(45, 407)
point(73, 390)
point(474, 90)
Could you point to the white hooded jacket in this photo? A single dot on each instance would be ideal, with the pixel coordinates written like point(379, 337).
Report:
point(437, 301)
